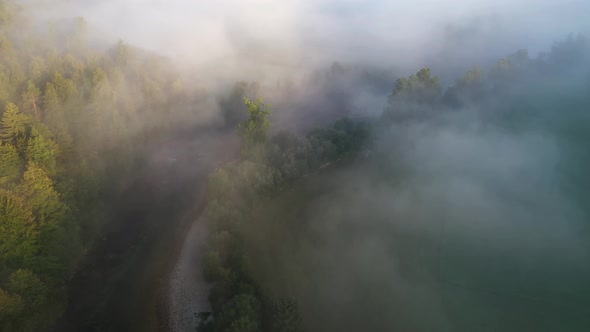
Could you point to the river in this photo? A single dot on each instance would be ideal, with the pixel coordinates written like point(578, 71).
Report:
point(144, 270)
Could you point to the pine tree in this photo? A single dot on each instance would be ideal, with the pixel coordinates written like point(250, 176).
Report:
point(14, 125)
point(31, 99)
point(19, 232)
point(37, 69)
point(43, 152)
point(64, 87)
point(50, 97)
point(11, 165)
point(5, 86)
point(287, 317)
point(38, 191)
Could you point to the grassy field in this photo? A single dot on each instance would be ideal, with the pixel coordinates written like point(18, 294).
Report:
point(360, 257)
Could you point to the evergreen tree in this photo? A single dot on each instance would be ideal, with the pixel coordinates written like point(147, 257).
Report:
point(19, 232)
point(38, 191)
point(11, 165)
point(31, 99)
point(287, 317)
point(50, 97)
point(43, 152)
point(14, 125)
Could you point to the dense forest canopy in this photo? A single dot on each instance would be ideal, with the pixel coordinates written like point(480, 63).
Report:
point(295, 244)
point(75, 118)
point(340, 163)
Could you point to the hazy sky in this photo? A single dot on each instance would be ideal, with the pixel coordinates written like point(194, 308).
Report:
point(295, 32)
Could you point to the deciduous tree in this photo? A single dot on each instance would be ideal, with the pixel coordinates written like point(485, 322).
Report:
point(421, 87)
point(255, 129)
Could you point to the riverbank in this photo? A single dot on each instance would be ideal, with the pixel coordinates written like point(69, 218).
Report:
point(119, 284)
point(164, 320)
point(186, 289)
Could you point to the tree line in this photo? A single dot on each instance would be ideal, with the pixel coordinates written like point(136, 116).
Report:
point(270, 165)
point(267, 166)
point(73, 124)
point(422, 92)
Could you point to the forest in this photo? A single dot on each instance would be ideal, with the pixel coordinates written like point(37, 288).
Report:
point(74, 122)
point(349, 197)
point(262, 226)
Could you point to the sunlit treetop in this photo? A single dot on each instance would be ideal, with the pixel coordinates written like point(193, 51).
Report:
point(421, 87)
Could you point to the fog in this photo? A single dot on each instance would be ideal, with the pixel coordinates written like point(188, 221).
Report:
point(305, 34)
point(452, 205)
point(215, 44)
point(470, 220)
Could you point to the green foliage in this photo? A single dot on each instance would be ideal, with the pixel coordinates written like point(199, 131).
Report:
point(43, 152)
point(50, 97)
point(238, 190)
point(37, 69)
point(38, 191)
point(289, 157)
point(287, 317)
point(19, 231)
point(219, 183)
point(101, 88)
point(232, 106)
point(11, 166)
point(73, 126)
point(344, 137)
point(31, 98)
point(261, 173)
point(5, 86)
point(14, 125)
point(418, 88)
point(64, 88)
point(11, 306)
point(241, 314)
point(510, 68)
point(24, 306)
point(31, 289)
point(213, 267)
point(473, 76)
point(468, 88)
point(234, 193)
point(121, 53)
point(255, 129)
